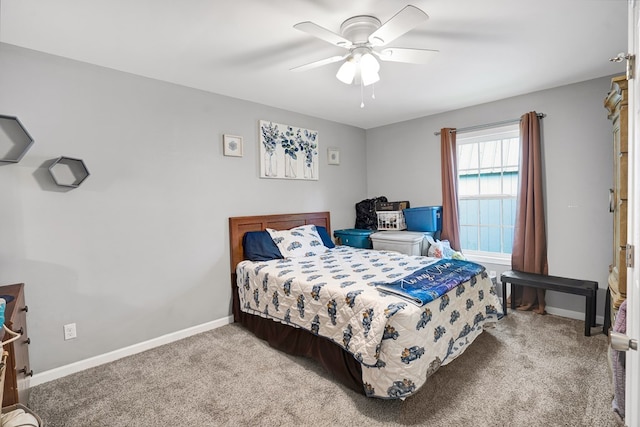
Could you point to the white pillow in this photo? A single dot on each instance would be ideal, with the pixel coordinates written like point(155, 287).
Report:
point(298, 242)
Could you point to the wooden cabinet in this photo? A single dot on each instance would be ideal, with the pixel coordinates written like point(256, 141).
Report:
point(18, 372)
point(616, 104)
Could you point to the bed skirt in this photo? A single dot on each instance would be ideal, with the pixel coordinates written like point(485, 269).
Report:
point(300, 342)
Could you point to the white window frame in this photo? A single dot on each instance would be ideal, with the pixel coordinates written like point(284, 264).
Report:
point(478, 136)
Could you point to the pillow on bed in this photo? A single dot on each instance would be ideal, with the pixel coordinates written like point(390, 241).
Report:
point(298, 242)
point(259, 246)
point(324, 235)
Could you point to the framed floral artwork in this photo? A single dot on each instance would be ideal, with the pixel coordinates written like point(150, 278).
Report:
point(288, 152)
point(232, 145)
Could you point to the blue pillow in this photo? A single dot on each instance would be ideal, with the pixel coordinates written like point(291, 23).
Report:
point(259, 246)
point(324, 235)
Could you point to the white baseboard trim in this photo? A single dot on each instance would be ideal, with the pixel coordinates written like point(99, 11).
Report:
point(578, 315)
point(81, 365)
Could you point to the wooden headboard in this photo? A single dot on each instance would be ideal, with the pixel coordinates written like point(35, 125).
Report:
point(241, 224)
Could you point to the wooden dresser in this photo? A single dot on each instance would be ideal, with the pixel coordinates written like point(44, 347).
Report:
point(18, 372)
point(616, 104)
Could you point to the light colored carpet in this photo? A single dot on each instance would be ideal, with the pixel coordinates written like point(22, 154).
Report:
point(529, 370)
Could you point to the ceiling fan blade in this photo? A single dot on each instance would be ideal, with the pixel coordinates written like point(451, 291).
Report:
point(400, 23)
point(323, 34)
point(319, 63)
point(400, 54)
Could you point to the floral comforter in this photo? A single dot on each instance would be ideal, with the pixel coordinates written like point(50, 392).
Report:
point(398, 343)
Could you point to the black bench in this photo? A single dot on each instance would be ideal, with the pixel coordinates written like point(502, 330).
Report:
point(586, 288)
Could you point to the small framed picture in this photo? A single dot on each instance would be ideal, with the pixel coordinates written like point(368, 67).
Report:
point(232, 145)
point(333, 154)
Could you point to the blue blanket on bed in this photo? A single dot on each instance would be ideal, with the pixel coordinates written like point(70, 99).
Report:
point(433, 281)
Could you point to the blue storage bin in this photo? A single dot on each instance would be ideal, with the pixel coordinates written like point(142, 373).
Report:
point(355, 237)
point(427, 218)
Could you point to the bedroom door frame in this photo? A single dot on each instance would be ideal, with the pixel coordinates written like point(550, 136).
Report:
point(632, 412)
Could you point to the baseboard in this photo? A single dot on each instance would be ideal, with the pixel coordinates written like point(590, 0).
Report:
point(81, 365)
point(579, 315)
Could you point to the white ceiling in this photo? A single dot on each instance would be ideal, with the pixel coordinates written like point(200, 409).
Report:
point(489, 49)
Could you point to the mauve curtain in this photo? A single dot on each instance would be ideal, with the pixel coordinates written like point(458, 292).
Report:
point(530, 243)
point(449, 165)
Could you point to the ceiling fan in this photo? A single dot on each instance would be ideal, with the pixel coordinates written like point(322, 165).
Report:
point(362, 36)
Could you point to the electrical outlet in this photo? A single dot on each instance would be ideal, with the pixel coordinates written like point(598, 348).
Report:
point(70, 331)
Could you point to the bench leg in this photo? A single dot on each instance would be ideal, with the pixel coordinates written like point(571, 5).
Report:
point(588, 315)
point(594, 308)
point(504, 298)
point(607, 312)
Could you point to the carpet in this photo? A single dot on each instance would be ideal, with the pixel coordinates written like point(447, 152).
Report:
point(529, 370)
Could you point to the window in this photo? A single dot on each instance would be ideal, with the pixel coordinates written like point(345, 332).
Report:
point(488, 164)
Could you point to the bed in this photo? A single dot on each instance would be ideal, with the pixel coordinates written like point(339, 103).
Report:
point(324, 305)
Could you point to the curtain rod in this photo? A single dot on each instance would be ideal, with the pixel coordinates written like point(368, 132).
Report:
point(490, 125)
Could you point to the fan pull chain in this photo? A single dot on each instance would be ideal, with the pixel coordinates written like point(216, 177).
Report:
point(361, 94)
point(373, 91)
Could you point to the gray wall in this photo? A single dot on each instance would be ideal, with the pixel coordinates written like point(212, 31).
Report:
point(141, 248)
point(403, 163)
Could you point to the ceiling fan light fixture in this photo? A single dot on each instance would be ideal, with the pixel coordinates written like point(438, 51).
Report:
point(369, 77)
point(362, 35)
point(369, 63)
point(369, 68)
point(347, 71)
